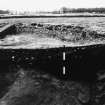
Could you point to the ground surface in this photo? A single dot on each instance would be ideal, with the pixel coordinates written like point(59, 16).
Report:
point(30, 87)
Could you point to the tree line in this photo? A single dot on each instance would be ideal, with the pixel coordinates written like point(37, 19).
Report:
point(80, 10)
point(4, 12)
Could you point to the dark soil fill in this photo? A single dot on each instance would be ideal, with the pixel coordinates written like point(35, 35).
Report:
point(80, 63)
point(36, 76)
point(11, 30)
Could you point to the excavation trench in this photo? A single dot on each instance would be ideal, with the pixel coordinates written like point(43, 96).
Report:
point(81, 63)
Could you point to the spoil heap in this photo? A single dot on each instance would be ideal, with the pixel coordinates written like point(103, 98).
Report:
point(65, 34)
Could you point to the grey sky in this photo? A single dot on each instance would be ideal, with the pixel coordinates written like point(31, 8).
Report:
point(44, 5)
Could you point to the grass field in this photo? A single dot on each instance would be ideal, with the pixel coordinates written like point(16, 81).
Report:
point(62, 20)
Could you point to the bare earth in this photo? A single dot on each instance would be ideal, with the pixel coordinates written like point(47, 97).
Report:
point(36, 36)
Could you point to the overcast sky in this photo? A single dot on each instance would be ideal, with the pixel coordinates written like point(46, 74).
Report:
point(44, 5)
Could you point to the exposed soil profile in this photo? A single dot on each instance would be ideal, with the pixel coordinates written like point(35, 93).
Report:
point(22, 35)
point(33, 75)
